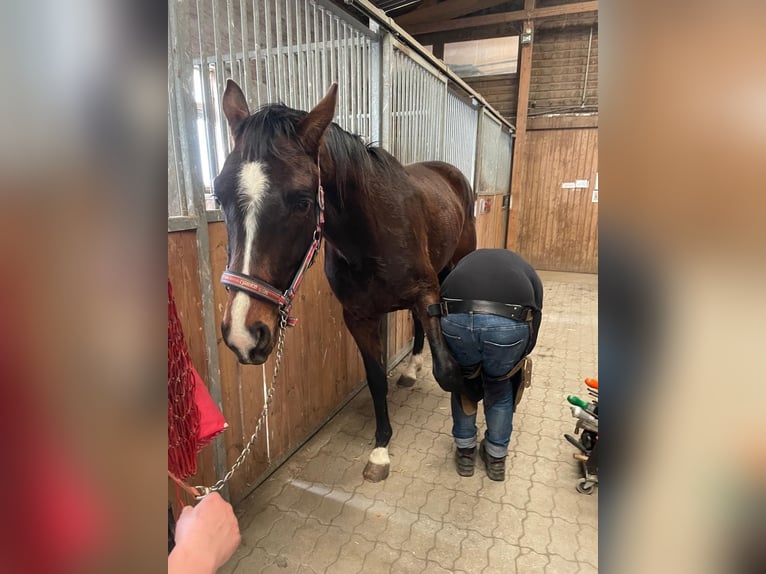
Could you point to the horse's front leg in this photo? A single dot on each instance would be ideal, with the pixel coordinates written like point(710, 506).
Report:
point(446, 370)
point(367, 334)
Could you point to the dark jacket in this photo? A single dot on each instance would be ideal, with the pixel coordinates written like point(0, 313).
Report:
point(501, 276)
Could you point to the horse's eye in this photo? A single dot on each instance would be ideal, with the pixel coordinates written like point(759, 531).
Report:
point(302, 206)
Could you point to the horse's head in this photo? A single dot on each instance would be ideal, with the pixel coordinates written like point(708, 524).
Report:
point(268, 192)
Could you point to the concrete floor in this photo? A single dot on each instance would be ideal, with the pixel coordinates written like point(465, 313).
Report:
point(316, 514)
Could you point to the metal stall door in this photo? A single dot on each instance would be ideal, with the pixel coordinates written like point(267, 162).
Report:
point(287, 52)
point(491, 217)
point(418, 98)
point(460, 127)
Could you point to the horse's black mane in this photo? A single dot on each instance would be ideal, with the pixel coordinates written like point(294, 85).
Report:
point(355, 162)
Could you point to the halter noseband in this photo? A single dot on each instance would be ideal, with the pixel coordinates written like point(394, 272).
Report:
point(261, 289)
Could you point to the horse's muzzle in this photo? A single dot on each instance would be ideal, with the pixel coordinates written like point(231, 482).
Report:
point(252, 348)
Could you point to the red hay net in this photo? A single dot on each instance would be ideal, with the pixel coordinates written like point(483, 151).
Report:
point(183, 414)
point(193, 418)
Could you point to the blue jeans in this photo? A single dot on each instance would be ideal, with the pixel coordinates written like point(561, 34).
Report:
point(495, 345)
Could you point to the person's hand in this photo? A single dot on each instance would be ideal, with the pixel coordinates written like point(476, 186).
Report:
point(206, 537)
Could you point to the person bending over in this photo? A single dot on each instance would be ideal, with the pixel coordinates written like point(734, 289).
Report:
point(490, 311)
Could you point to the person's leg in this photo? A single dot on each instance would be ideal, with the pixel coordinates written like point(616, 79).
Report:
point(463, 425)
point(463, 345)
point(464, 431)
point(498, 412)
point(503, 342)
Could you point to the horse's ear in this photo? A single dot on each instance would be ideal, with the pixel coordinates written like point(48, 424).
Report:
point(313, 125)
point(234, 104)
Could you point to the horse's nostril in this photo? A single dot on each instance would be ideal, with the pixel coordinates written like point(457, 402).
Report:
point(261, 336)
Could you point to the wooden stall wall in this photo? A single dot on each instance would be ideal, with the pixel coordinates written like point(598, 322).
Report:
point(490, 227)
point(321, 367)
point(558, 227)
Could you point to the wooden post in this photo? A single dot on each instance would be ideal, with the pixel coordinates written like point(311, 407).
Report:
point(519, 148)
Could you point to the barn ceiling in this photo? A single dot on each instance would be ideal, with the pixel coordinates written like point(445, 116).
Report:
point(439, 21)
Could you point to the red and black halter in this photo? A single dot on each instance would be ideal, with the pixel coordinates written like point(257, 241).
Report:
point(263, 290)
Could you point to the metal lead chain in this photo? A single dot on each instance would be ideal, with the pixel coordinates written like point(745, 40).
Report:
point(205, 490)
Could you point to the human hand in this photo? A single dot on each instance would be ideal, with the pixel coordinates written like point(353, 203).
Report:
point(206, 537)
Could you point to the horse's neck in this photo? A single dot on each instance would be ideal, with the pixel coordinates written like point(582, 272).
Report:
point(349, 228)
point(354, 220)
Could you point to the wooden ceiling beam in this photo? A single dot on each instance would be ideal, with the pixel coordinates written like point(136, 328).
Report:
point(446, 10)
point(483, 33)
point(503, 18)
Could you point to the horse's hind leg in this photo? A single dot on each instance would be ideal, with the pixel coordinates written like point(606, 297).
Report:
point(367, 334)
point(415, 362)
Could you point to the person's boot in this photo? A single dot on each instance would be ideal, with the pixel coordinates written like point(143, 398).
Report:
point(465, 460)
point(495, 466)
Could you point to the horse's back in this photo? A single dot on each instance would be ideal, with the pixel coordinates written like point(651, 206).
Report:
point(434, 172)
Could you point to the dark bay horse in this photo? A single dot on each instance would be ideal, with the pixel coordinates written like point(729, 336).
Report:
point(390, 230)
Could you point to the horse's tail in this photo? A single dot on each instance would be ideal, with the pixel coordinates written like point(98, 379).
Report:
point(469, 197)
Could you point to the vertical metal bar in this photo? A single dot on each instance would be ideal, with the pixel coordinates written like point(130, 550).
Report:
point(351, 75)
point(279, 48)
point(325, 56)
point(359, 93)
point(343, 67)
point(401, 134)
point(181, 65)
point(408, 107)
point(445, 91)
point(367, 84)
point(356, 89)
point(318, 54)
point(417, 105)
point(309, 58)
point(299, 78)
point(176, 192)
point(209, 114)
point(427, 125)
point(257, 50)
point(412, 108)
point(382, 108)
point(404, 110)
point(333, 37)
point(245, 52)
point(230, 36)
point(220, 73)
point(269, 71)
point(479, 149)
point(420, 105)
point(424, 103)
point(290, 79)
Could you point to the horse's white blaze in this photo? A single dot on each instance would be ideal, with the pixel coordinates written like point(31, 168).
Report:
point(380, 456)
point(252, 187)
point(414, 365)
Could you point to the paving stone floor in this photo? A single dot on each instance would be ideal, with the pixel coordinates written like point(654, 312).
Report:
point(316, 514)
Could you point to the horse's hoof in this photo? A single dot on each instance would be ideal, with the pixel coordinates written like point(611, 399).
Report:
point(376, 472)
point(405, 381)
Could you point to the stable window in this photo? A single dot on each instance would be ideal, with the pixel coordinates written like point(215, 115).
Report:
point(488, 57)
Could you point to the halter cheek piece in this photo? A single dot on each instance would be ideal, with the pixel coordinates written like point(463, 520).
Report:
point(261, 289)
